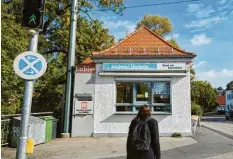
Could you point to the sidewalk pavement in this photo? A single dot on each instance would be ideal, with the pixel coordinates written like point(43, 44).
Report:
point(91, 148)
point(223, 128)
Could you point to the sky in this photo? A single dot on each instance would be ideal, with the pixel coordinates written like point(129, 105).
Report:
point(204, 27)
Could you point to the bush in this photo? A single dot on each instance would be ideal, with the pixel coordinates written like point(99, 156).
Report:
point(196, 109)
point(176, 135)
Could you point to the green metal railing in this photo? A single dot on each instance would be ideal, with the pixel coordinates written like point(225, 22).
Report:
point(5, 131)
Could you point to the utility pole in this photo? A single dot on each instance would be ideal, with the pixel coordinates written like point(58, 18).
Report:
point(32, 18)
point(70, 67)
point(27, 102)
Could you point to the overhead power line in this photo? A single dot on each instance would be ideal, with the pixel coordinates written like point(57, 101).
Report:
point(154, 4)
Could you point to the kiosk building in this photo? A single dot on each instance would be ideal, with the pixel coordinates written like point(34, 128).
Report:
point(141, 69)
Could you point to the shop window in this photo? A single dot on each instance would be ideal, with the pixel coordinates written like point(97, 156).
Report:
point(143, 92)
point(161, 92)
point(131, 95)
point(124, 92)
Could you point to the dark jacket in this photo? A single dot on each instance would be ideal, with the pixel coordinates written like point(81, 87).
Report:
point(154, 151)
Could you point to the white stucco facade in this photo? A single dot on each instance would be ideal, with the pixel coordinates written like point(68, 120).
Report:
point(229, 100)
point(108, 123)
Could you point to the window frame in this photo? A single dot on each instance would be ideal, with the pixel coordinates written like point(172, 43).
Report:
point(136, 104)
point(163, 104)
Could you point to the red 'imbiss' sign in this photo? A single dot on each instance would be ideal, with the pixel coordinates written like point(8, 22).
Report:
point(86, 68)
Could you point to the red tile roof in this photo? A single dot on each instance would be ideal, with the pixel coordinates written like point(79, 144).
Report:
point(143, 42)
point(88, 60)
point(221, 100)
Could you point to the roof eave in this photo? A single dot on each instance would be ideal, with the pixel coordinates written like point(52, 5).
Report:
point(142, 56)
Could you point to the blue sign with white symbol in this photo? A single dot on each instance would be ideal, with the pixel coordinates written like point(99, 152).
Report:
point(30, 65)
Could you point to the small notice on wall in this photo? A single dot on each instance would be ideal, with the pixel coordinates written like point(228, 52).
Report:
point(171, 66)
point(195, 121)
point(83, 107)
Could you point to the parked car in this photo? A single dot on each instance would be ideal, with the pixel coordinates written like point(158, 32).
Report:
point(221, 112)
point(229, 114)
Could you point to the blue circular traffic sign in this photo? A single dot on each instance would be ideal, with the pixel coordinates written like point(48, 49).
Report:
point(30, 65)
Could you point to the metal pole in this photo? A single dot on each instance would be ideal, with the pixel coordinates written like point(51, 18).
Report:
point(26, 110)
point(70, 67)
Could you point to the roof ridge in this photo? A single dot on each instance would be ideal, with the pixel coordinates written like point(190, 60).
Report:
point(150, 32)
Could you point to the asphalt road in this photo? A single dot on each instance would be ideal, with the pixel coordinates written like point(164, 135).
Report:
point(209, 145)
point(217, 118)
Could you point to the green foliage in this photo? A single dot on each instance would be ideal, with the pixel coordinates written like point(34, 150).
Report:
point(192, 74)
point(14, 41)
point(49, 89)
point(176, 135)
point(196, 109)
point(160, 25)
point(174, 43)
point(203, 94)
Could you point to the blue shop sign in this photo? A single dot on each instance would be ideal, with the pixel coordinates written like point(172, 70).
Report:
point(129, 66)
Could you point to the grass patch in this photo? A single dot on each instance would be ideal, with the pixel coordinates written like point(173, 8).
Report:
point(210, 113)
point(176, 135)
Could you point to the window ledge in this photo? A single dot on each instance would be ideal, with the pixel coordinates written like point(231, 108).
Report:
point(135, 113)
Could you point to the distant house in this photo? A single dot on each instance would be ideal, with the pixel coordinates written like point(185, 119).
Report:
point(221, 102)
point(229, 99)
point(220, 91)
point(230, 86)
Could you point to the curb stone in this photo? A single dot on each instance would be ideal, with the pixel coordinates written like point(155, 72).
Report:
point(219, 132)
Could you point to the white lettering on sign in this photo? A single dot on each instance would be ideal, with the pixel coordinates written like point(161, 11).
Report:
point(86, 68)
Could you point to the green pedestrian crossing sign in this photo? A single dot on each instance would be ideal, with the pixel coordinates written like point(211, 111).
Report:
point(32, 18)
point(33, 11)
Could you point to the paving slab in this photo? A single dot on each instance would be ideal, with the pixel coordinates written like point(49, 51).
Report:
point(91, 148)
point(223, 128)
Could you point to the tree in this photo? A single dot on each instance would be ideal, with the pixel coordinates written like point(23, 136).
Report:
point(160, 25)
point(196, 109)
point(53, 43)
point(174, 43)
point(203, 94)
point(229, 85)
point(192, 74)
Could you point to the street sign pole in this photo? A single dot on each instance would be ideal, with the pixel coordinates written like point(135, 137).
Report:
point(70, 67)
point(26, 110)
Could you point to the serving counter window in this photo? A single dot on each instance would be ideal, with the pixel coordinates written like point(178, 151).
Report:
point(131, 95)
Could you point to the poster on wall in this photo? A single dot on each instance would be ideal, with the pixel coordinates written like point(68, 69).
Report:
point(195, 121)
